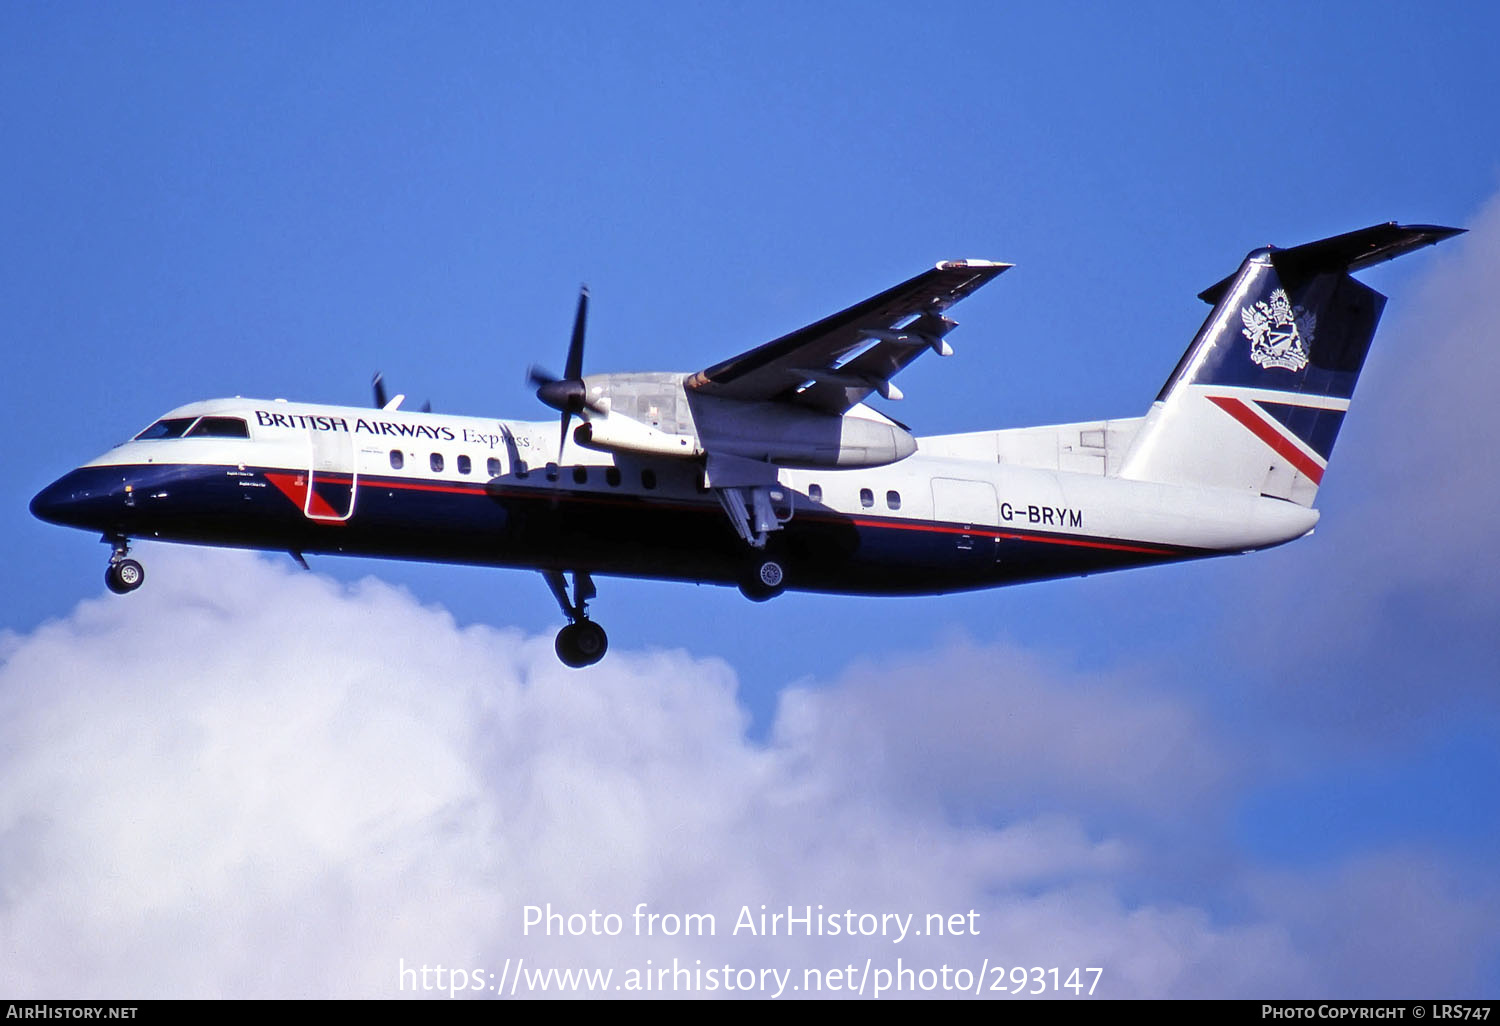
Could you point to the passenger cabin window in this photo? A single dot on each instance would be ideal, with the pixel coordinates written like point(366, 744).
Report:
point(219, 427)
point(552, 472)
point(815, 492)
point(463, 465)
point(436, 462)
point(171, 428)
point(648, 478)
point(397, 460)
point(492, 467)
point(580, 475)
point(612, 475)
point(893, 500)
point(866, 498)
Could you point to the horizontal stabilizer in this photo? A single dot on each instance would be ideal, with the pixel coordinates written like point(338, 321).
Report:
point(1352, 251)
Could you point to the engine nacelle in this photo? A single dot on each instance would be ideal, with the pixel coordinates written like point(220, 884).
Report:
point(789, 436)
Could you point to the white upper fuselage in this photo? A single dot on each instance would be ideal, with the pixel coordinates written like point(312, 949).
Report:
point(1057, 479)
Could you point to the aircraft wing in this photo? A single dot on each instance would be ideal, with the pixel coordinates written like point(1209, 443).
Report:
point(835, 363)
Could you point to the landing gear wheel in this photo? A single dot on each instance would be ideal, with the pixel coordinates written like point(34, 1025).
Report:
point(124, 576)
point(765, 578)
point(581, 644)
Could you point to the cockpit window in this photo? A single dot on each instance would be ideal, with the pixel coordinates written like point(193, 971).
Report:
point(172, 427)
point(219, 427)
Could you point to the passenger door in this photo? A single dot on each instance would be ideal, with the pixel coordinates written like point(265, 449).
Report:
point(332, 477)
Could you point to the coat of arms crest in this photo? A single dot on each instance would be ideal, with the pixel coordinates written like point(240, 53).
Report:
point(1278, 332)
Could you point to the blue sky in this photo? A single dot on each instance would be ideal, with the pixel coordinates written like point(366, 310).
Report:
point(278, 200)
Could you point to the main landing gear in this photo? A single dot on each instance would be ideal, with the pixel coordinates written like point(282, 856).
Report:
point(122, 575)
point(764, 577)
point(756, 512)
point(582, 642)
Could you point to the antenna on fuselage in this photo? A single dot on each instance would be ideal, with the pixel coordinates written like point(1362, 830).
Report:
point(394, 403)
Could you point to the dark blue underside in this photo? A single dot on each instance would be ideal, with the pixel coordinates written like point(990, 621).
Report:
point(541, 526)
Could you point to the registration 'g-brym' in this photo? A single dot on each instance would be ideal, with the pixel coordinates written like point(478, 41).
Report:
point(769, 470)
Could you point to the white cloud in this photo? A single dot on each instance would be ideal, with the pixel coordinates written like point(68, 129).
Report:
point(1000, 727)
point(248, 780)
point(1418, 437)
point(1447, 924)
point(1383, 620)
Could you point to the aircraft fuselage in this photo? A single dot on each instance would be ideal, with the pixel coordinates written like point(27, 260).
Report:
point(395, 484)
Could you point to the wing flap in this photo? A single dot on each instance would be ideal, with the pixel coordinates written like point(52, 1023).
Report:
point(835, 363)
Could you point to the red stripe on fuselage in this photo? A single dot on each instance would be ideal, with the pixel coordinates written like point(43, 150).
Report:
point(990, 532)
point(565, 494)
point(892, 524)
point(1262, 429)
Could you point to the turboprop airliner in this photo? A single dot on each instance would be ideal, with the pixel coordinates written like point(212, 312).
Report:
point(771, 471)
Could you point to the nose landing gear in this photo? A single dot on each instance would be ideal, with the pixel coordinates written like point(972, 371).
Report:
point(122, 575)
point(582, 642)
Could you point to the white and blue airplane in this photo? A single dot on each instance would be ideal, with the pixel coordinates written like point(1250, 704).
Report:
point(770, 471)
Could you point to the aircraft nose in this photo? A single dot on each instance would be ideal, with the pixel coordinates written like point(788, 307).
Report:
point(61, 502)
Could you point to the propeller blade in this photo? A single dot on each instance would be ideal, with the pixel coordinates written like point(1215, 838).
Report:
point(540, 376)
point(574, 368)
point(379, 386)
point(426, 405)
point(563, 439)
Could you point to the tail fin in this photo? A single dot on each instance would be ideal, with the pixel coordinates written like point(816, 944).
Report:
point(1257, 400)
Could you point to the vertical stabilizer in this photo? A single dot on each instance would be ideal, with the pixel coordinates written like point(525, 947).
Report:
point(1257, 401)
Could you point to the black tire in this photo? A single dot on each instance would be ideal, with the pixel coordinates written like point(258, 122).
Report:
point(581, 644)
point(765, 578)
point(124, 577)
